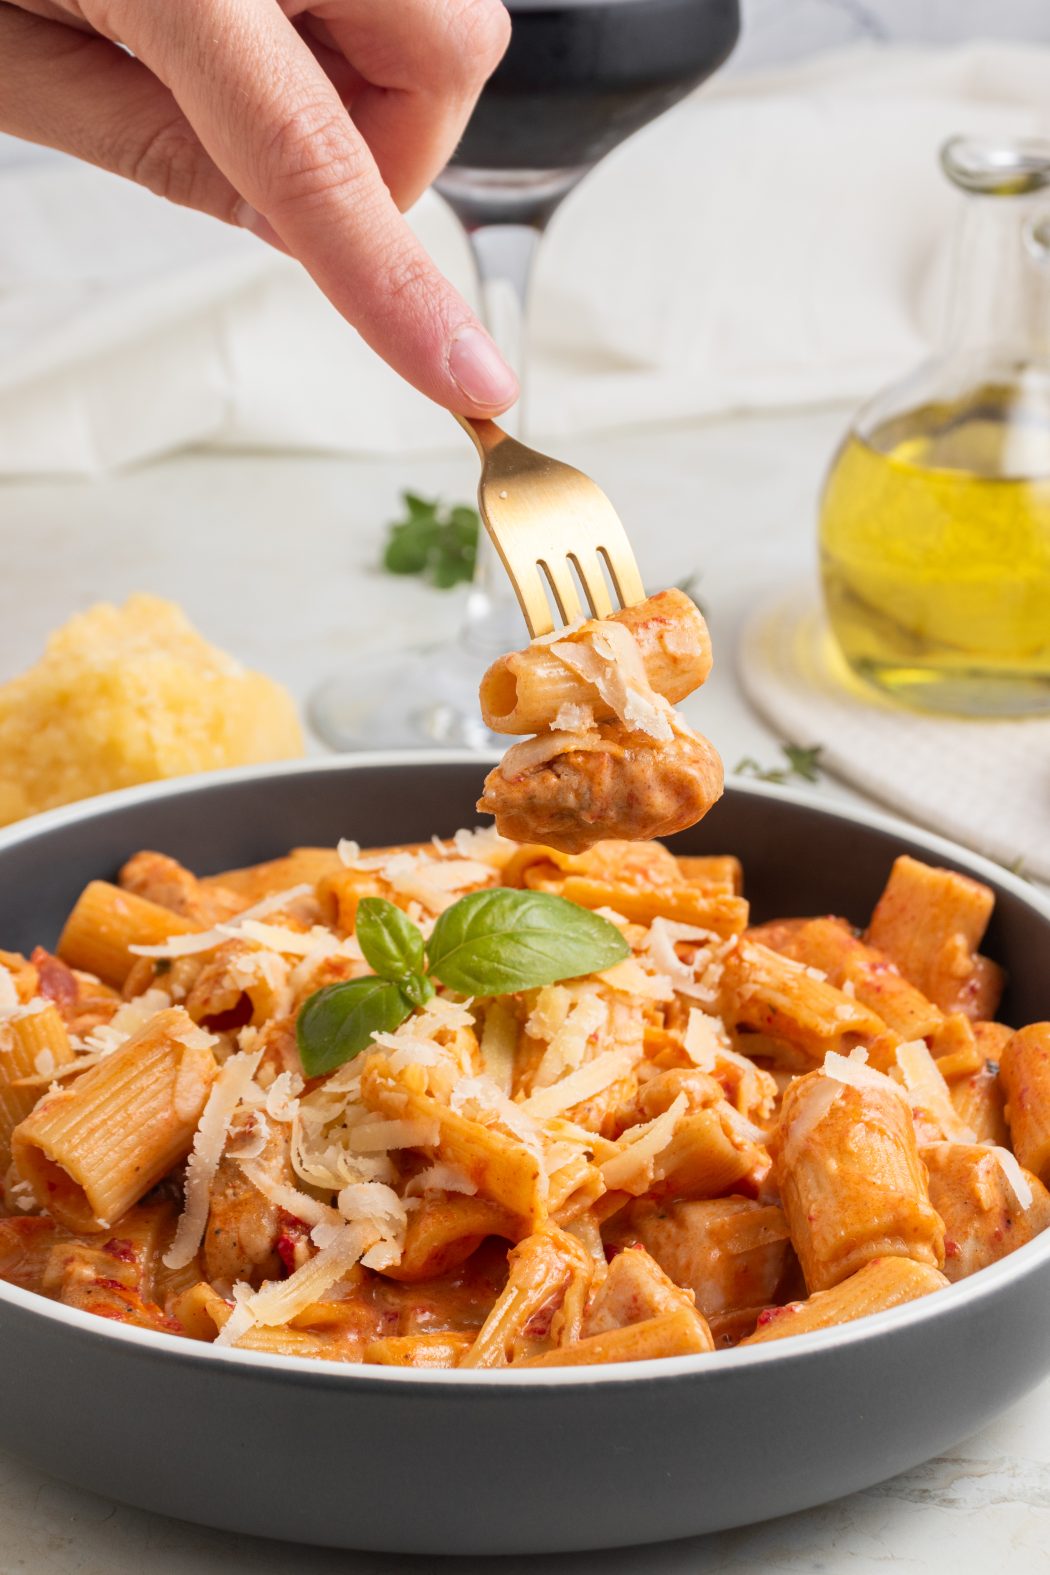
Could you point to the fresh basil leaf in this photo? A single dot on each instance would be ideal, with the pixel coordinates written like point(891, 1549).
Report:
point(337, 1022)
point(497, 941)
point(407, 551)
point(418, 988)
point(392, 944)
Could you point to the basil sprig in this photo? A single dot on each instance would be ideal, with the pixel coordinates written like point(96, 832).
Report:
point(492, 942)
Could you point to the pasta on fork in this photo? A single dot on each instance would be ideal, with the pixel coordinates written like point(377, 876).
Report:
point(483, 1104)
point(611, 757)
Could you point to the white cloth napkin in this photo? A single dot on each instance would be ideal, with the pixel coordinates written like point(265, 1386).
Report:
point(777, 239)
point(987, 784)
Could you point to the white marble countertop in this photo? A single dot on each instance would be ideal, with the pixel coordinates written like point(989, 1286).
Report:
point(271, 557)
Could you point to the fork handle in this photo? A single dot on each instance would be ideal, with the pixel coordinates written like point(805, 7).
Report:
point(484, 434)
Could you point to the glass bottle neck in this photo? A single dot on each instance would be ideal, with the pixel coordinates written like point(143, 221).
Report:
point(999, 300)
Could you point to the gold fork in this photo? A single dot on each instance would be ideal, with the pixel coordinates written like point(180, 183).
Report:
point(545, 520)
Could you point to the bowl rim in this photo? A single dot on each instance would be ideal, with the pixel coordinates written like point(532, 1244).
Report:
point(321, 1372)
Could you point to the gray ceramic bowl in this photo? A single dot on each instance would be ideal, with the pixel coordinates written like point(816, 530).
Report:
point(493, 1462)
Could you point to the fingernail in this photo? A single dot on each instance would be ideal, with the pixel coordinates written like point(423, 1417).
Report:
point(480, 371)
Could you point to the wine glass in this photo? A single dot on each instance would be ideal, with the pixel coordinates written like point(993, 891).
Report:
point(579, 76)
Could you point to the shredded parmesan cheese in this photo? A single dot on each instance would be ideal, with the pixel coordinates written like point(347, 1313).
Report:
point(208, 940)
point(932, 1101)
point(630, 1169)
point(372, 1137)
point(208, 1143)
point(280, 1302)
point(1015, 1176)
point(529, 753)
point(582, 1084)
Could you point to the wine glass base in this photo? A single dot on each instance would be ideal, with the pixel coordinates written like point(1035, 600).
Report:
point(407, 699)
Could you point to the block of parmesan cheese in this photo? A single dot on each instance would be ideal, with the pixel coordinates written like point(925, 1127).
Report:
point(132, 694)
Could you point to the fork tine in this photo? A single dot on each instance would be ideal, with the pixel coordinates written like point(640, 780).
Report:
point(588, 567)
point(623, 570)
point(564, 588)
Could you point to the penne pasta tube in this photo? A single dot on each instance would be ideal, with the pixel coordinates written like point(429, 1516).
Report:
point(671, 1334)
point(546, 1268)
point(852, 1184)
point(200, 1311)
point(90, 1151)
point(444, 1231)
point(444, 1349)
point(1024, 1069)
point(879, 1285)
point(501, 1168)
point(523, 692)
point(33, 1044)
point(106, 922)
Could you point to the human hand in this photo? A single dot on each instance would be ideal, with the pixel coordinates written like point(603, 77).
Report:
point(311, 124)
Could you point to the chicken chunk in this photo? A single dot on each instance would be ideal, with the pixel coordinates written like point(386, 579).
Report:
point(621, 783)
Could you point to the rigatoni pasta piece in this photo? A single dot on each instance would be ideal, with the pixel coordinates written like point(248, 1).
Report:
point(881, 1284)
point(851, 1182)
point(682, 903)
point(303, 866)
point(718, 873)
point(32, 1044)
point(89, 1152)
point(107, 921)
point(767, 993)
point(931, 922)
point(871, 977)
point(989, 1205)
point(1024, 1069)
point(979, 1098)
point(524, 691)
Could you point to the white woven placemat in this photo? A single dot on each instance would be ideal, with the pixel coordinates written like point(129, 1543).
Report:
point(987, 784)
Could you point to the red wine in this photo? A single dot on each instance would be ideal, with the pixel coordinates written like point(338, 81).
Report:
point(577, 78)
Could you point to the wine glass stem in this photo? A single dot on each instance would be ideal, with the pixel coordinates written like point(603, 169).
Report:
point(503, 255)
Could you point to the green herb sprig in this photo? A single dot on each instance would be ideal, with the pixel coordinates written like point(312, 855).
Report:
point(802, 763)
point(437, 542)
point(492, 942)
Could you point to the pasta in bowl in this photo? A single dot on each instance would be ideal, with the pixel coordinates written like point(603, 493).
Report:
point(578, 1419)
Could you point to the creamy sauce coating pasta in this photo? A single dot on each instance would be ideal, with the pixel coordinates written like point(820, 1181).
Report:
point(734, 1133)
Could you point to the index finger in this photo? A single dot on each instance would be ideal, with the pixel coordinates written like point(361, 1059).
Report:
point(274, 124)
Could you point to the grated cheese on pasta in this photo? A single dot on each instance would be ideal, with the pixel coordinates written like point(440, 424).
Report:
point(208, 1143)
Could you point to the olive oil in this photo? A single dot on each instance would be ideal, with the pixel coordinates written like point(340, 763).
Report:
point(935, 552)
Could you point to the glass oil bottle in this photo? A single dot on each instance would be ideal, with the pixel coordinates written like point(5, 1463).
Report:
point(935, 518)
